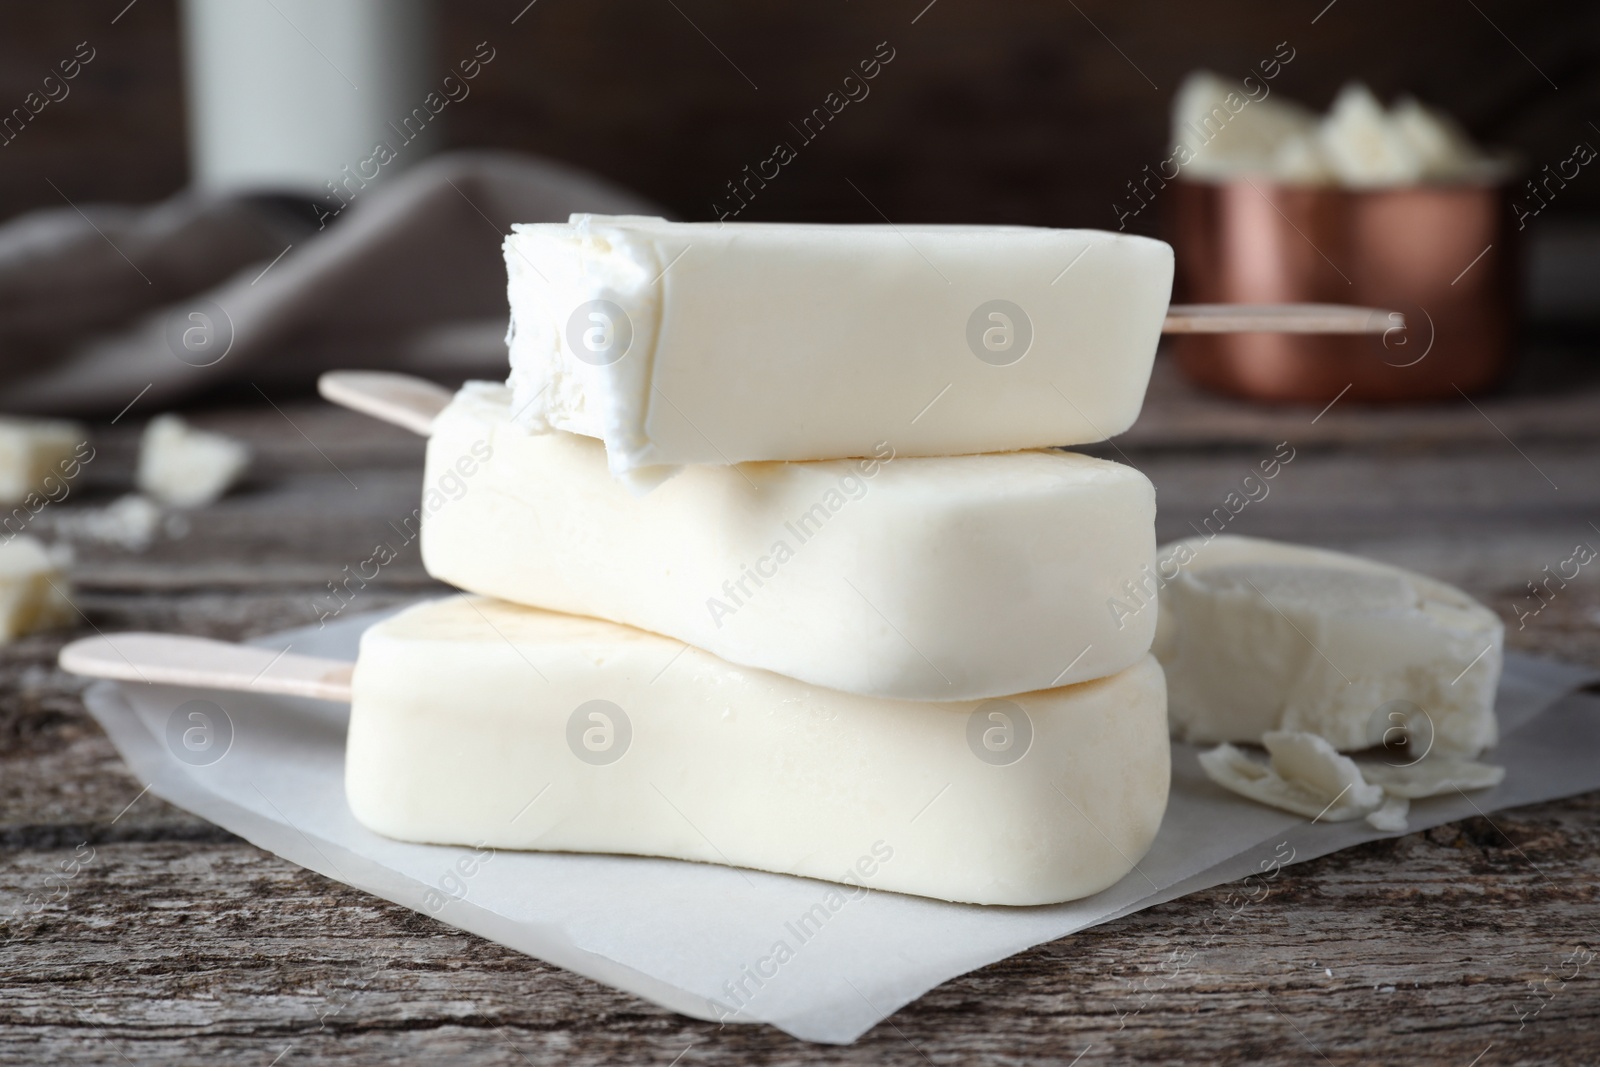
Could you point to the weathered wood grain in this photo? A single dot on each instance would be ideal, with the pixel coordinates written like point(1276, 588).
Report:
point(175, 942)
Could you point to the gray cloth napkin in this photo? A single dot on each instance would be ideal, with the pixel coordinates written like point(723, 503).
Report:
point(99, 302)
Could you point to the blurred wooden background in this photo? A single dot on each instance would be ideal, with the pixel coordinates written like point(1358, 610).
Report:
point(1029, 112)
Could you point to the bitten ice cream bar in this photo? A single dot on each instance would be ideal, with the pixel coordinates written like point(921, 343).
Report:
point(918, 578)
point(680, 343)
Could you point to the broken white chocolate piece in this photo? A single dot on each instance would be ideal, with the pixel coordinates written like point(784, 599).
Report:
point(1362, 146)
point(187, 468)
point(1300, 159)
point(1431, 776)
point(1227, 131)
point(932, 578)
point(1391, 815)
point(1441, 146)
point(1221, 131)
point(479, 722)
point(1306, 776)
point(1309, 761)
point(33, 587)
point(37, 456)
point(717, 343)
point(1260, 635)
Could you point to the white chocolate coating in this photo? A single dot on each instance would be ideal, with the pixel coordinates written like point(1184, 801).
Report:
point(472, 723)
point(918, 578)
point(725, 343)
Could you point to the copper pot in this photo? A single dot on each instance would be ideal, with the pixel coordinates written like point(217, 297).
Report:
point(1441, 254)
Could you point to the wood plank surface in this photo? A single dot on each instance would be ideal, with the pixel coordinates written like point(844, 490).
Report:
point(175, 942)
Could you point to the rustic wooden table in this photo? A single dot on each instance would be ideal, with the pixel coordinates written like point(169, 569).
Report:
point(178, 943)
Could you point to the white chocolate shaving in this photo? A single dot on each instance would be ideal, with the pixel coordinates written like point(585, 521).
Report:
point(1391, 817)
point(1309, 777)
point(1432, 776)
point(1306, 776)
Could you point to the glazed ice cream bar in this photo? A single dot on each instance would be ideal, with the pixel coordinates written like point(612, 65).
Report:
point(680, 343)
point(477, 722)
point(912, 578)
point(474, 721)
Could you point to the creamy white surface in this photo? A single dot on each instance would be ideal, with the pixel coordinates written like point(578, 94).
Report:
point(948, 578)
point(459, 735)
point(1225, 131)
point(1305, 775)
point(188, 468)
point(1430, 777)
point(769, 341)
point(38, 456)
point(33, 587)
point(1259, 635)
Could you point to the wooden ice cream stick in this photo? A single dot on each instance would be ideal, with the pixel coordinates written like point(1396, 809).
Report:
point(1279, 318)
point(413, 403)
point(402, 399)
point(197, 662)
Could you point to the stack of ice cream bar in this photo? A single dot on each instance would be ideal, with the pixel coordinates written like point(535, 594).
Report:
point(770, 564)
point(775, 565)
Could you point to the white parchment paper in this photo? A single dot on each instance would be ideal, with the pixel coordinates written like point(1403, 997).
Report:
point(701, 939)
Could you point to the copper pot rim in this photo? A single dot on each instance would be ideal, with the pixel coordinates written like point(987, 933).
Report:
point(1263, 182)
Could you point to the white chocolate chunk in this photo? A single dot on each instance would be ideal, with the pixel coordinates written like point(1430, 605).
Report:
point(1362, 146)
point(33, 587)
point(36, 455)
point(933, 578)
point(1301, 781)
point(1391, 815)
point(1227, 131)
point(187, 468)
point(1259, 635)
point(721, 343)
point(1299, 158)
point(1431, 776)
point(479, 722)
point(1441, 146)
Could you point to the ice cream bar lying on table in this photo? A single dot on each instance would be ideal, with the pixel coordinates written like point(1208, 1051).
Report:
point(679, 343)
point(479, 722)
point(915, 578)
point(1259, 636)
